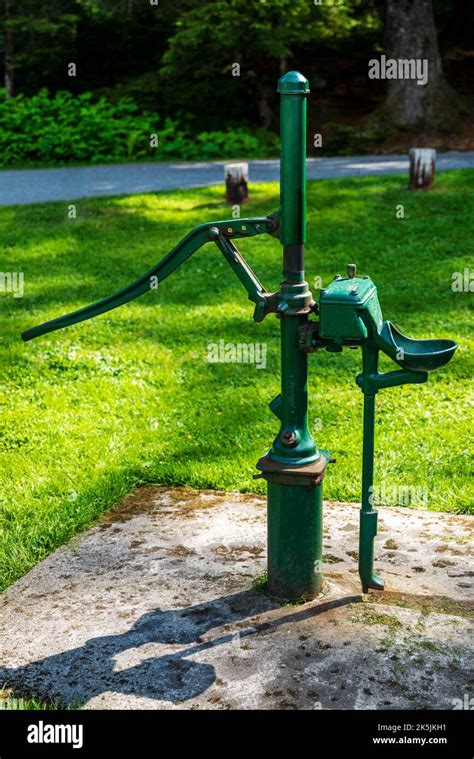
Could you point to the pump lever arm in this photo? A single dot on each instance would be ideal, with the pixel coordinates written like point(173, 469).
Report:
point(226, 230)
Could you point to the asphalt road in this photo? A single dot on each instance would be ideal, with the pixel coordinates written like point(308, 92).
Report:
point(19, 187)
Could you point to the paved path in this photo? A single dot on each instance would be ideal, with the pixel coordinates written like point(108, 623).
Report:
point(19, 187)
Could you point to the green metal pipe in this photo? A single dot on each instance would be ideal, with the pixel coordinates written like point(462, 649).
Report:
point(293, 88)
point(295, 538)
point(368, 451)
point(368, 515)
point(294, 444)
point(294, 501)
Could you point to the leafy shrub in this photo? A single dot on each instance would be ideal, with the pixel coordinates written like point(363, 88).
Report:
point(80, 128)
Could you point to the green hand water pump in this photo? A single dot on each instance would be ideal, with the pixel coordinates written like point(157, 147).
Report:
point(347, 315)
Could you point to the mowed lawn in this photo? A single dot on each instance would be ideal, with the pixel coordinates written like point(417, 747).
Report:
point(90, 412)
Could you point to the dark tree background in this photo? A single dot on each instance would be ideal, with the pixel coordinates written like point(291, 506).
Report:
point(176, 58)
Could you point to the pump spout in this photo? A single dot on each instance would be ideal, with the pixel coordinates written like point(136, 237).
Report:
point(412, 354)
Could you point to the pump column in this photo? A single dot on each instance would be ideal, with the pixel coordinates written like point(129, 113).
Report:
point(293, 467)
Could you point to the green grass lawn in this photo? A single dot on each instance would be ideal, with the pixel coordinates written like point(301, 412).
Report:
point(92, 411)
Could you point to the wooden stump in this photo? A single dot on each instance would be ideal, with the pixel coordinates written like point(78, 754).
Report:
point(422, 168)
point(236, 183)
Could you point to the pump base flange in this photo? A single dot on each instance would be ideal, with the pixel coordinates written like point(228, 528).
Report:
point(313, 473)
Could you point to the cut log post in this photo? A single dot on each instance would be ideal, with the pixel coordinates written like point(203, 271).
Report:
point(422, 168)
point(236, 183)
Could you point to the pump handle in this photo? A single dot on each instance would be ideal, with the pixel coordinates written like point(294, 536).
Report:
point(219, 231)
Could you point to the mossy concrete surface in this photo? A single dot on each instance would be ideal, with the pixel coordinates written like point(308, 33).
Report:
point(154, 607)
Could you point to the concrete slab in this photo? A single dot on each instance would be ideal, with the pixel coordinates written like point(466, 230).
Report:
point(153, 608)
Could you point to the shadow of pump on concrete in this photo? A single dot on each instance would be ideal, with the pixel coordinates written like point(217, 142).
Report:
point(78, 675)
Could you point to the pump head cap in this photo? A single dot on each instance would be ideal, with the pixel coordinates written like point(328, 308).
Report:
point(293, 83)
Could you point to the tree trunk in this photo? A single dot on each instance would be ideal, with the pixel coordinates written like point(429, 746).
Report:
point(8, 52)
point(264, 109)
point(422, 168)
point(236, 183)
point(410, 33)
